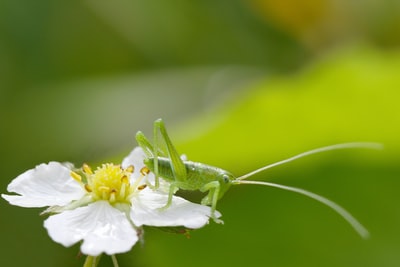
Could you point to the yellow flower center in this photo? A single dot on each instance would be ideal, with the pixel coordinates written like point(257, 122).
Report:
point(109, 182)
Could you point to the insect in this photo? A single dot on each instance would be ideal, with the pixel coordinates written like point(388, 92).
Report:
point(189, 175)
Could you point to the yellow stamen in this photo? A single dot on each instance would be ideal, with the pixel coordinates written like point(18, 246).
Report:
point(130, 169)
point(144, 171)
point(86, 169)
point(87, 187)
point(122, 190)
point(141, 187)
point(112, 197)
point(125, 179)
point(104, 188)
point(76, 176)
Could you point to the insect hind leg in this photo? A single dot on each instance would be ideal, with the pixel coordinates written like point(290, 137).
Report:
point(177, 165)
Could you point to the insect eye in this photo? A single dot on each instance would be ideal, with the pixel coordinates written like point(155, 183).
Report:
point(225, 178)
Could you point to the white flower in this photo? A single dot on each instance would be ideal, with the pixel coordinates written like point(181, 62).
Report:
point(104, 208)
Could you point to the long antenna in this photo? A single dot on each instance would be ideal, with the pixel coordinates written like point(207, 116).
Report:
point(314, 151)
point(357, 226)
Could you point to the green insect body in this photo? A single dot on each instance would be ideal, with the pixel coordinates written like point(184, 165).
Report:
point(188, 175)
point(199, 176)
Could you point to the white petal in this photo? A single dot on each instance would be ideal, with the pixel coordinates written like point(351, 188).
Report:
point(146, 211)
point(135, 158)
point(102, 228)
point(46, 185)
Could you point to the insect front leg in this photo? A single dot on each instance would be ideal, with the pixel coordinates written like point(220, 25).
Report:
point(213, 189)
point(145, 144)
point(148, 149)
point(172, 189)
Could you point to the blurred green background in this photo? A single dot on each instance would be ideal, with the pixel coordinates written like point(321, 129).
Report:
point(240, 84)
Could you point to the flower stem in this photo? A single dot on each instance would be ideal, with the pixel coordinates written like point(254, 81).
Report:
point(114, 260)
point(91, 261)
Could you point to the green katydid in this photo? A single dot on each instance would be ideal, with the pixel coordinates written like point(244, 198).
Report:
point(188, 175)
